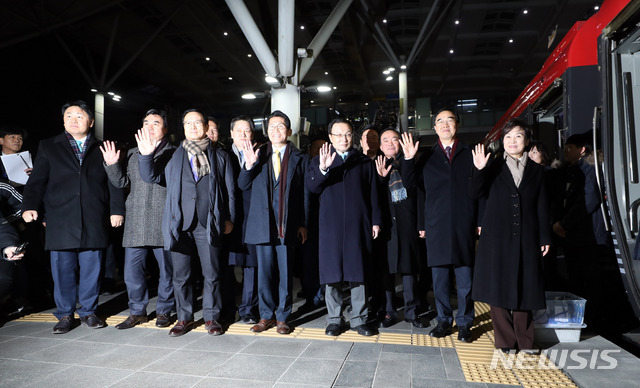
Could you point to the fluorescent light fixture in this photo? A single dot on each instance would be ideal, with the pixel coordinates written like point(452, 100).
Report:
point(230, 78)
point(392, 69)
point(386, 72)
point(323, 88)
point(249, 96)
point(403, 67)
point(249, 55)
point(111, 93)
point(389, 78)
point(94, 90)
point(116, 96)
point(273, 81)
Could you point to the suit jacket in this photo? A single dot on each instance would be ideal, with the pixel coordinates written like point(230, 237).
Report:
point(145, 202)
point(221, 193)
point(261, 221)
point(77, 199)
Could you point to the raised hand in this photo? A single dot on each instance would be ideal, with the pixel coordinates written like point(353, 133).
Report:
point(326, 157)
point(408, 148)
point(382, 170)
point(479, 158)
point(146, 144)
point(249, 153)
point(110, 154)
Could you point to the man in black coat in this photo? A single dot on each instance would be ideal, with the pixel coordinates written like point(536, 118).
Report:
point(277, 218)
point(450, 220)
point(68, 179)
point(350, 220)
point(200, 208)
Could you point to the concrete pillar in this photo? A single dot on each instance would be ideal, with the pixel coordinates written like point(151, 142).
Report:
point(98, 126)
point(403, 114)
point(287, 99)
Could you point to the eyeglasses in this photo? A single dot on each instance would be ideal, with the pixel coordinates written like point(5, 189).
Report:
point(347, 135)
point(448, 120)
point(277, 126)
point(197, 123)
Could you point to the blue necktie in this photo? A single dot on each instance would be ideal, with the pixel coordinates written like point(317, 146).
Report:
point(194, 167)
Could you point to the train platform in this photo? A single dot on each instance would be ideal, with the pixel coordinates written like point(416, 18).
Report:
point(399, 356)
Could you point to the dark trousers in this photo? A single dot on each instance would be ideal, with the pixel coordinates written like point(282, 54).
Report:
point(190, 243)
point(408, 293)
point(135, 265)
point(512, 329)
point(249, 299)
point(76, 277)
point(274, 281)
point(463, 274)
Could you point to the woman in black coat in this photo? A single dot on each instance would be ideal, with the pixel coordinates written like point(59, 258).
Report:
point(515, 235)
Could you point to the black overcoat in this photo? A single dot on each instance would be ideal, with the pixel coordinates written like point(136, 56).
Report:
point(508, 268)
point(450, 214)
point(348, 210)
point(77, 199)
point(261, 223)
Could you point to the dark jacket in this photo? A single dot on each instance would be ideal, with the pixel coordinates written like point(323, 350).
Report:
point(78, 199)
point(145, 202)
point(10, 203)
point(508, 267)
point(221, 193)
point(450, 214)
point(348, 210)
point(261, 222)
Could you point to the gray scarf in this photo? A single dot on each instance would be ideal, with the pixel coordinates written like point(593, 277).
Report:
point(516, 166)
point(198, 149)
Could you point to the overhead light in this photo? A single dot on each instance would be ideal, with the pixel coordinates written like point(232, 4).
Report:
point(274, 82)
point(249, 96)
point(596, 7)
point(94, 90)
point(323, 88)
point(111, 93)
point(326, 73)
point(366, 103)
point(403, 67)
point(510, 40)
point(207, 59)
point(225, 33)
point(249, 55)
point(389, 78)
point(116, 96)
point(311, 101)
point(451, 51)
point(386, 71)
point(392, 69)
point(230, 78)
point(456, 22)
point(302, 27)
point(384, 20)
point(335, 87)
point(525, 11)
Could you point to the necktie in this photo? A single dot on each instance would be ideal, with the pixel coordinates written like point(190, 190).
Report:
point(241, 158)
point(79, 145)
point(447, 151)
point(344, 157)
point(276, 165)
point(194, 167)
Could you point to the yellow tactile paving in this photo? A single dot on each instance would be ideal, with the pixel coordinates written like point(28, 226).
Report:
point(535, 371)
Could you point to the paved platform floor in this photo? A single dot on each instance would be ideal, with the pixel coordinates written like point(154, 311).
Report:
point(401, 356)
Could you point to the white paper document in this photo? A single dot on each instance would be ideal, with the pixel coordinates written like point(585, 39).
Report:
point(15, 164)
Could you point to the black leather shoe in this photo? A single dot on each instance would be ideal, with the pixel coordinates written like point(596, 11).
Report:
point(333, 330)
point(365, 330)
point(92, 322)
point(163, 320)
point(416, 322)
point(442, 329)
point(131, 321)
point(464, 334)
point(387, 321)
point(213, 327)
point(248, 319)
point(64, 325)
point(181, 328)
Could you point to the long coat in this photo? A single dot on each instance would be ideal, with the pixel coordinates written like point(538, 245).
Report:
point(261, 223)
point(221, 193)
point(77, 199)
point(348, 210)
point(450, 214)
point(508, 268)
point(401, 227)
point(145, 202)
point(239, 254)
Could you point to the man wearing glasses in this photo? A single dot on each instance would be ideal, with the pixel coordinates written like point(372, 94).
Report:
point(350, 220)
point(200, 208)
point(277, 217)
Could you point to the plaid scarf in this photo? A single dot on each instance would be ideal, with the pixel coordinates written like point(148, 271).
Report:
point(74, 146)
point(397, 189)
point(198, 149)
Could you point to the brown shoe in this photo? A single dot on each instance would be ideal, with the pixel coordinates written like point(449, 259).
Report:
point(180, 328)
point(263, 325)
point(131, 321)
point(283, 328)
point(213, 327)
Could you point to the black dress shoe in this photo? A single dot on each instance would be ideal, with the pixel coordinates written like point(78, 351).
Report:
point(131, 321)
point(387, 321)
point(365, 330)
point(442, 329)
point(416, 322)
point(181, 328)
point(92, 322)
point(464, 334)
point(248, 319)
point(333, 330)
point(213, 327)
point(64, 325)
point(163, 320)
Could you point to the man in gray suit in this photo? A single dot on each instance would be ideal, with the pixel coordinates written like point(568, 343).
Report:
point(144, 208)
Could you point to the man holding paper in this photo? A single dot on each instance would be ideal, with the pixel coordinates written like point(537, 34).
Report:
point(16, 166)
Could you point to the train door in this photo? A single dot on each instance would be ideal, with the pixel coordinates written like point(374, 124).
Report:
point(619, 56)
